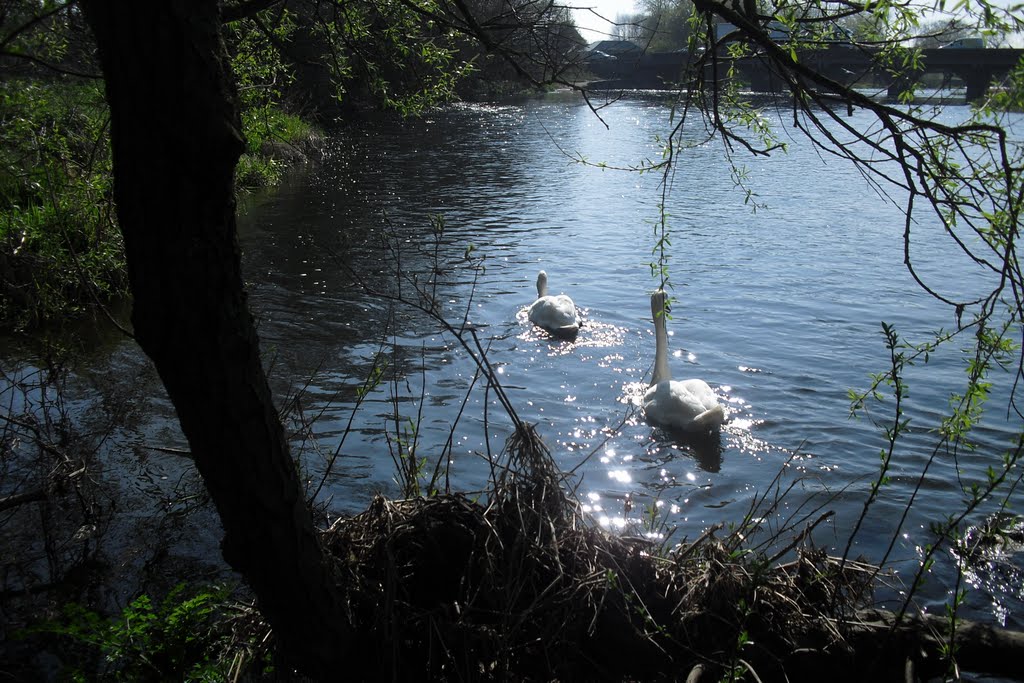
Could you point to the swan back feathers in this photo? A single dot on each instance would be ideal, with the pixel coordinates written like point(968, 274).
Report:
point(556, 314)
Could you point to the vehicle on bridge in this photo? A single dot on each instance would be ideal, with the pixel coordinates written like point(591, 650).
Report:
point(823, 36)
point(964, 44)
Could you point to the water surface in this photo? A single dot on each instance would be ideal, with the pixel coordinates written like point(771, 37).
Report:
point(779, 309)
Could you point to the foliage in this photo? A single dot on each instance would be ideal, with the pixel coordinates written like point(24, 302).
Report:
point(523, 41)
point(389, 51)
point(178, 638)
point(269, 131)
point(263, 78)
point(1007, 99)
point(60, 246)
point(43, 38)
point(261, 75)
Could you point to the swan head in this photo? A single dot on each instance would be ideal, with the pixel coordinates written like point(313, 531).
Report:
point(542, 284)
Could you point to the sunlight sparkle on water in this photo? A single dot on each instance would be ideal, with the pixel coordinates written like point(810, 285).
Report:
point(596, 334)
point(621, 476)
point(611, 360)
point(633, 392)
point(618, 523)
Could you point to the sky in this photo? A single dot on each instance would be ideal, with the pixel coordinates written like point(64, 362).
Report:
point(593, 29)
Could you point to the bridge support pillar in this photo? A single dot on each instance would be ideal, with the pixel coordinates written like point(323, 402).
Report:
point(901, 84)
point(977, 84)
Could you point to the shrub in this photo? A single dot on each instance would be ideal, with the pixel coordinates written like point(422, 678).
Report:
point(59, 244)
point(179, 638)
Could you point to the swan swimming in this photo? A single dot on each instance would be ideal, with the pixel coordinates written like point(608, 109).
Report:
point(555, 314)
point(690, 405)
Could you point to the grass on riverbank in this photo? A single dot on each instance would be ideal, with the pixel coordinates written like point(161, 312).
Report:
point(521, 586)
point(517, 585)
point(275, 141)
point(60, 247)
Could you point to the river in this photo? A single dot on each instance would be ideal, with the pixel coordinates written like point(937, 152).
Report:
point(778, 308)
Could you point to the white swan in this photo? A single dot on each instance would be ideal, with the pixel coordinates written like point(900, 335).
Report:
point(690, 405)
point(556, 314)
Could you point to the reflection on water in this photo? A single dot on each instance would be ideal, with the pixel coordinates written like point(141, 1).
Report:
point(705, 449)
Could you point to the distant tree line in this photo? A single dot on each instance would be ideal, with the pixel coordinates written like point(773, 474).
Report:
point(660, 25)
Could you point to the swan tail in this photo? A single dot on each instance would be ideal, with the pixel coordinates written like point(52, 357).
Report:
point(710, 419)
point(564, 331)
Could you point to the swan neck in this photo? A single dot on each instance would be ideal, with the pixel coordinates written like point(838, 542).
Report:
point(542, 285)
point(661, 371)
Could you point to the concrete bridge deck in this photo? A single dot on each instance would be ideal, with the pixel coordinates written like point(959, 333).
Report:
point(845, 63)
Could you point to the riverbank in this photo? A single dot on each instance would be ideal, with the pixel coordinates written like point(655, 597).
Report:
point(519, 584)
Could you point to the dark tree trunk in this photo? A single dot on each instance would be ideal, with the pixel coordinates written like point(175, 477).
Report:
point(176, 139)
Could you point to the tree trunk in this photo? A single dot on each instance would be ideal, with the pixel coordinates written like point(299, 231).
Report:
point(176, 138)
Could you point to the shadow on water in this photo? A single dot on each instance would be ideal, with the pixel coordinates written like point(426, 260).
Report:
point(705, 448)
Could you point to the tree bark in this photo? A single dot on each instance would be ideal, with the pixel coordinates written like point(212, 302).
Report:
point(176, 139)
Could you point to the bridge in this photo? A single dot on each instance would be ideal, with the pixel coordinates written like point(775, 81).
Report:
point(845, 63)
